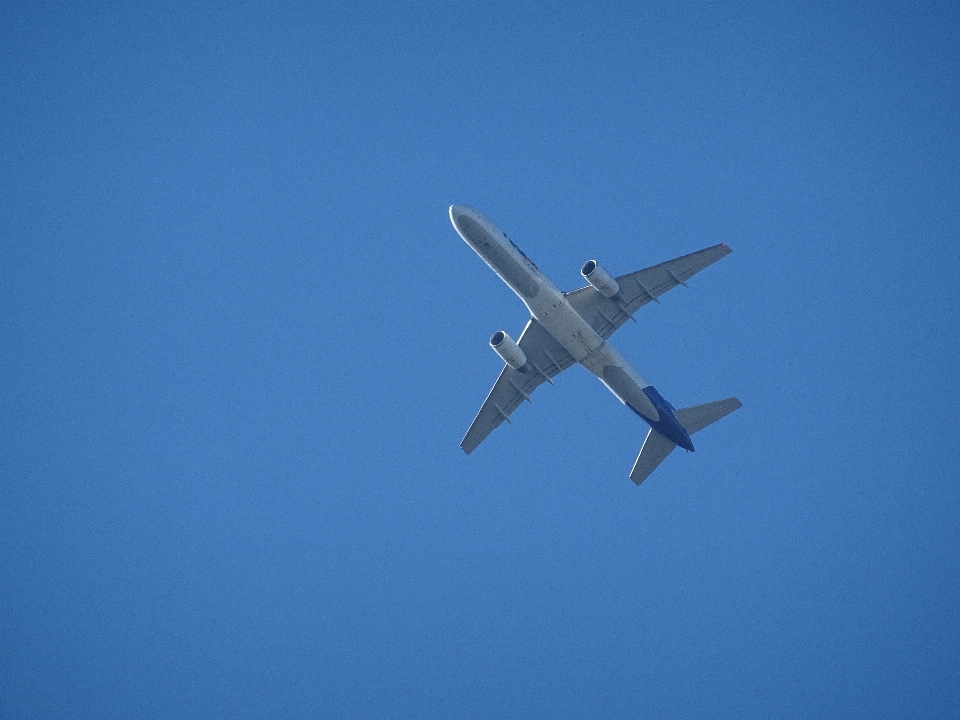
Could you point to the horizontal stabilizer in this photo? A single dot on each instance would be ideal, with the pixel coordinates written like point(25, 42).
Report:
point(654, 451)
point(693, 419)
point(697, 417)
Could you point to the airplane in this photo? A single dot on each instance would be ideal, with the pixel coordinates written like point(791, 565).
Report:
point(574, 327)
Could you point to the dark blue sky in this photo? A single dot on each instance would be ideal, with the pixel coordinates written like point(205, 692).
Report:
point(240, 343)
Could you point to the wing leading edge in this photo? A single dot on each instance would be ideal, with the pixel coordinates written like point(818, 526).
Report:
point(606, 315)
point(546, 358)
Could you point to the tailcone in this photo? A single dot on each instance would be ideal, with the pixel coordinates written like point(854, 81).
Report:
point(668, 425)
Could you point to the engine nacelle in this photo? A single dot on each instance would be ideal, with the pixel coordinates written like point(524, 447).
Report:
point(508, 350)
point(599, 278)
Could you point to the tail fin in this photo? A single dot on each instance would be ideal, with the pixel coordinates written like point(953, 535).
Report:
point(693, 419)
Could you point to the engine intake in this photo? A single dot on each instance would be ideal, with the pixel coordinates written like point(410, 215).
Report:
point(508, 350)
point(599, 278)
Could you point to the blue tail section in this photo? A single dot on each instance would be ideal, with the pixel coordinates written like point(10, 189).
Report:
point(667, 425)
point(673, 427)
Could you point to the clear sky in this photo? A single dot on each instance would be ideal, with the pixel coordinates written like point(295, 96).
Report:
point(240, 343)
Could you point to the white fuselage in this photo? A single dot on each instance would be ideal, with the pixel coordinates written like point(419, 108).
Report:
point(552, 310)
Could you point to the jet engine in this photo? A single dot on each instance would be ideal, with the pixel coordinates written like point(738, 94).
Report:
point(599, 278)
point(508, 350)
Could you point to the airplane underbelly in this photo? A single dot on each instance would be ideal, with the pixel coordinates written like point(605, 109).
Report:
point(590, 350)
point(569, 329)
point(620, 377)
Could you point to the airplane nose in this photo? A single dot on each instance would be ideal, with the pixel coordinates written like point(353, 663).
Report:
point(455, 212)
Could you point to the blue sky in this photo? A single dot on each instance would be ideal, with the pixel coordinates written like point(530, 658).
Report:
point(240, 343)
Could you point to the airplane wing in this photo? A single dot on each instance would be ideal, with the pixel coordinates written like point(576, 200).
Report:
point(546, 358)
point(637, 289)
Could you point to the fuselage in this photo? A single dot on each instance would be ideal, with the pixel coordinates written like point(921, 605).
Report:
point(552, 310)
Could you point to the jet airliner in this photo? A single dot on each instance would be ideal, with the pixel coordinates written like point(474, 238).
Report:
point(574, 327)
